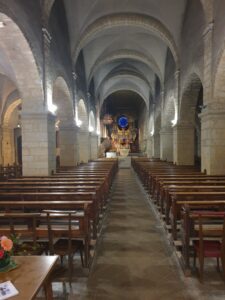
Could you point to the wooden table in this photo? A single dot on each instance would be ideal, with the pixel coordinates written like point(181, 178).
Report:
point(32, 273)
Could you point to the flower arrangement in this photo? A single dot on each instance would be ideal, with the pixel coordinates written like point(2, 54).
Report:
point(5, 251)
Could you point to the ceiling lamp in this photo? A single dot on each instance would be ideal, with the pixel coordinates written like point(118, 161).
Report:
point(107, 119)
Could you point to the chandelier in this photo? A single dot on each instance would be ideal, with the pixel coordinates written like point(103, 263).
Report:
point(107, 119)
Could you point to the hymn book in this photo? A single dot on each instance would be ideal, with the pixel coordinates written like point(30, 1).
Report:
point(7, 290)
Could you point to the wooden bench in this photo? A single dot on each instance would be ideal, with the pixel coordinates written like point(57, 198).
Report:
point(82, 216)
point(59, 196)
point(189, 197)
point(190, 212)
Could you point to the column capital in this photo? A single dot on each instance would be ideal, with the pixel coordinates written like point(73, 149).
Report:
point(38, 115)
point(69, 127)
point(46, 35)
point(177, 74)
point(88, 95)
point(166, 130)
point(212, 111)
point(183, 126)
point(75, 76)
point(208, 29)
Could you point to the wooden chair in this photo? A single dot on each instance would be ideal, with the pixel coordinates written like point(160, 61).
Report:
point(211, 242)
point(61, 239)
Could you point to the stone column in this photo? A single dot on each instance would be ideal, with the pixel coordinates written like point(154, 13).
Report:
point(184, 147)
point(8, 146)
point(84, 146)
point(46, 44)
point(156, 145)
point(208, 49)
point(149, 146)
point(68, 145)
point(166, 143)
point(213, 139)
point(93, 146)
point(1, 145)
point(39, 143)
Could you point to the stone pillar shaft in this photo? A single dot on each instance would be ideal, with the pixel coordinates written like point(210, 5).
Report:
point(94, 146)
point(166, 143)
point(213, 140)
point(149, 146)
point(183, 139)
point(84, 146)
point(8, 146)
point(156, 145)
point(38, 144)
point(68, 146)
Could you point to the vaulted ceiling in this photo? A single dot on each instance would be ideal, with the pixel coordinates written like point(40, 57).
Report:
point(124, 43)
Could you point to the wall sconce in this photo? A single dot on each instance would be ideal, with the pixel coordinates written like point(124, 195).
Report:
point(78, 122)
point(52, 108)
point(91, 128)
point(2, 24)
point(152, 132)
point(174, 122)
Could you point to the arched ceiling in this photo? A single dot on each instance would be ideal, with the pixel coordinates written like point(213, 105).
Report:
point(115, 34)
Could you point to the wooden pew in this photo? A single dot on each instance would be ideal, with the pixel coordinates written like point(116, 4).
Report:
point(82, 208)
point(164, 185)
point(189, 197)
point(166, 200)
point(190, 211)
point(59, 196)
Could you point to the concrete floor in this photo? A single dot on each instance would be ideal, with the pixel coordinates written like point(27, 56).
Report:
point(134, 259)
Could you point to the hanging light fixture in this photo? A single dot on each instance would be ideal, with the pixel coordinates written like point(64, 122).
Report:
point(107, 119)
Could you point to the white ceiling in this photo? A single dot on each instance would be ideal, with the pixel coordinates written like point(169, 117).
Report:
point(109, 45)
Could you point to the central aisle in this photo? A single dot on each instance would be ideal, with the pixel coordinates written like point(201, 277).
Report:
point(133, 261)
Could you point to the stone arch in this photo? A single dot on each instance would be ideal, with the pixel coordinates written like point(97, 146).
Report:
point(20, 59)
point(188, 132)
point(189, 98)
point(84, 135)
point(133, 20)
point(92, 125)
point(125, 82)
point(156, 133)
point(82, 115)
point(63, 99)
point(219, 80)
point(65, 131)
point(47, 7)
point(125, 54)
point(170, 113)
point(11, 131)
point(207, 6)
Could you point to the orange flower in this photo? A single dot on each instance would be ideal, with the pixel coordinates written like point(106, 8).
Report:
point(6, 244)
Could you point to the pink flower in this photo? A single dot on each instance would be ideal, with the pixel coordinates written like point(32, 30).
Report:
point(6, 244)
point(1, 253)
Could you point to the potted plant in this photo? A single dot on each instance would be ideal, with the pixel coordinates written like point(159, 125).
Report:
point(6, 246)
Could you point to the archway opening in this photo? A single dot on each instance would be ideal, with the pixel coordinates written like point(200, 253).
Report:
point(123, 119)
point(64, 126)
point(191, 106)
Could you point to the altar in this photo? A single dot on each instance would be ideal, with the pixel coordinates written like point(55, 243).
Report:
point(124, 152)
